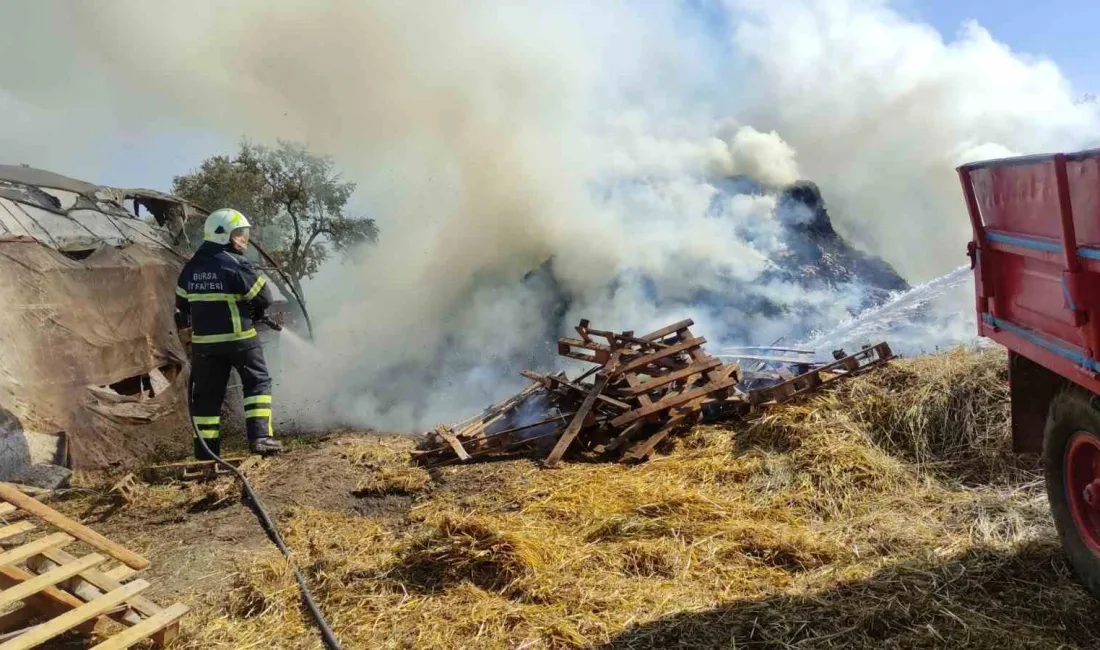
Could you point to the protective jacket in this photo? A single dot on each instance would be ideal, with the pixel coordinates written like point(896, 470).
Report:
point(220, 293)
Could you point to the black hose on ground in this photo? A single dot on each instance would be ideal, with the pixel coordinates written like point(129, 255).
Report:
point(273, 534)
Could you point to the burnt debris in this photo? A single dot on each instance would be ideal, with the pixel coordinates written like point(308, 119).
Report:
point(641, 390)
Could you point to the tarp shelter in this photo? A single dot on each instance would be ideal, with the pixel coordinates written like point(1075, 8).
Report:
point(88, 342)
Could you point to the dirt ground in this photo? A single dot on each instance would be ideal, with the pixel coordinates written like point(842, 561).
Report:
point(195, 540)
point(193, 543)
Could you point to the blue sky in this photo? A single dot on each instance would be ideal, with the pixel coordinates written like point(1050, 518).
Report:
point(1061, 30)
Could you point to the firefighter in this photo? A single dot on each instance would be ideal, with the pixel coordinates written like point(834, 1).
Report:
point(222, 296)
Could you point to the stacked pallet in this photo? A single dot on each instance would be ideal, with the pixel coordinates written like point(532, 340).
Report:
point(656, 384)
point(49, 592)
point(640, 390)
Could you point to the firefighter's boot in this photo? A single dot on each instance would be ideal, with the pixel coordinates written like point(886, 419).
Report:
point(266, 446)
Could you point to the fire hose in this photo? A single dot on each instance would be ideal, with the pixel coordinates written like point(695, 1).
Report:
point(257, 507)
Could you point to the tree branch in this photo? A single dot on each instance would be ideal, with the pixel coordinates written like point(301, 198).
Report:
point(319, 231)
point(297, 252)
point(312, 237)
point(295, 248)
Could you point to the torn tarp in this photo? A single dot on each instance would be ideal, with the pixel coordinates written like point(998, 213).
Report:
point(88, 342)
point(69, 327)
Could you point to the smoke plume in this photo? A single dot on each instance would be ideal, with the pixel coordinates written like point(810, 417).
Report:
point(881, 110)
point(534, 163)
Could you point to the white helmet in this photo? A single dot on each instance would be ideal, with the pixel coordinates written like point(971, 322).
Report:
point(221, 223)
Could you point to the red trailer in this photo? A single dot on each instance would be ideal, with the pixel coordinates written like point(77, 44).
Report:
point(1036, 259)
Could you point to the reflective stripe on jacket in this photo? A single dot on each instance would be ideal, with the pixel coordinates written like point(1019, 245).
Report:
point(221, 291)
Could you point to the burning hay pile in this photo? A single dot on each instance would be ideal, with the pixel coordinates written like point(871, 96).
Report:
point(641, 390)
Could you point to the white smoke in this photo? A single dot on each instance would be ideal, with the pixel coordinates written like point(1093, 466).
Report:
point(881, 110)
point(489, 138)
point(763, 156)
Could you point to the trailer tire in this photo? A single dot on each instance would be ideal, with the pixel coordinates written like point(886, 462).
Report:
point(1073, 428)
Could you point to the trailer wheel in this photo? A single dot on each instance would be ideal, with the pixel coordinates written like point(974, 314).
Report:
point(1071, 458)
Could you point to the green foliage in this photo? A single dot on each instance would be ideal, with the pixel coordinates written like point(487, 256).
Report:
point(295, 200)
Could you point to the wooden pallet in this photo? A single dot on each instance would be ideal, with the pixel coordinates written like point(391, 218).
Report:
point(849, 366)
point(125, 489)
point(645, 389)
point(654, 383)
point(55, 592)
point(667, 377)
point(196, 470)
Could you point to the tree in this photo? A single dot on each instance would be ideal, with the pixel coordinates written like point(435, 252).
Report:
point(295, 201)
